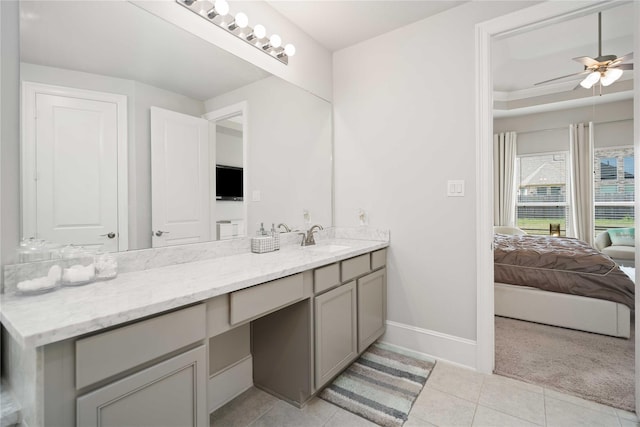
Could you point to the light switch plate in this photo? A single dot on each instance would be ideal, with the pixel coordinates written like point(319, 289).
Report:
point(455, 188)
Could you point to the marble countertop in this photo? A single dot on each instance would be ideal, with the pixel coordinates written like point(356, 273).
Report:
point(69, 312)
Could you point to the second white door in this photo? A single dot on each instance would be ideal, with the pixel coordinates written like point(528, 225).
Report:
point(179, 178)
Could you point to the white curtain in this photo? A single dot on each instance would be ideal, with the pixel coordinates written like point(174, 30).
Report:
point(504, 178)
point(581, 181)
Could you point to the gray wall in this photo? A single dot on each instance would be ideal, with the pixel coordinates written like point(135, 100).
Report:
point(289, 152)
point(9, 130)
point(402, 129)
point(548, 132)
point(228, 147)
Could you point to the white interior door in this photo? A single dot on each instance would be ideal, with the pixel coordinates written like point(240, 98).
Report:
point(76, 177)
point(179, 178)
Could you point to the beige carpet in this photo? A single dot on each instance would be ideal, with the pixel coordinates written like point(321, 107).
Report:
point(591, 366)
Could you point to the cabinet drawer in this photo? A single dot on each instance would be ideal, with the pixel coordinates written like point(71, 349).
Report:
point(259, 300)
point(326, 277)
point(355, 267)
point(378, 259)
point(100, 356)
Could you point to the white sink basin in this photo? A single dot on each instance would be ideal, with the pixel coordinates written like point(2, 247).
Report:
point(327, 248)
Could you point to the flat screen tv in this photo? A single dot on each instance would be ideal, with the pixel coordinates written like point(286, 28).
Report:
point(228, 183)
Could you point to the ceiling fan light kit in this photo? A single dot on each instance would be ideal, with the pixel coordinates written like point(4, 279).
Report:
point(610, 76)
point(239, 27)
point(605, 69)
point(590, 80)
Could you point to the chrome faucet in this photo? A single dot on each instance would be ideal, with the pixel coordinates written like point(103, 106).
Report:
point(307, 239)
point(285, 226)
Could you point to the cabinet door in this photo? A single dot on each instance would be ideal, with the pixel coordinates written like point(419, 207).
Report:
point(372, 308)
point(336, 332)
point(171, 393)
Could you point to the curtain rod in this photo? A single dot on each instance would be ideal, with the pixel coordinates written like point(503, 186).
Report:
point(567, 126)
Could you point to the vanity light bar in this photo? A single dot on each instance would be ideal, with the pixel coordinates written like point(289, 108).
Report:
point(218, 14)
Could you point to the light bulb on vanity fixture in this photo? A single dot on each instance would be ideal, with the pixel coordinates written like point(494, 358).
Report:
point(220, 8)
point(274, 42)
point(241, 21)
point(289, 49)
point(258, 33)
point(239, 27)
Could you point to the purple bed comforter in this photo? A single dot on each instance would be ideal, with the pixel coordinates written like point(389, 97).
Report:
point(560, 264)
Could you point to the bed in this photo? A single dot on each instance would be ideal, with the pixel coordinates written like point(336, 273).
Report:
point(562, 282)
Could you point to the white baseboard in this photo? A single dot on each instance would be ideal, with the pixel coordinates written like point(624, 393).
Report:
point(439, 346)
point(229, 384)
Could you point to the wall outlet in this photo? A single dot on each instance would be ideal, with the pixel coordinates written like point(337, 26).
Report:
point(362, 217)
point(255, 196)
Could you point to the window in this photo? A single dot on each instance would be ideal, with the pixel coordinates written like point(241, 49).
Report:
point(628, 167)
point(542, 192)
point(614, 192)
point(608, 168)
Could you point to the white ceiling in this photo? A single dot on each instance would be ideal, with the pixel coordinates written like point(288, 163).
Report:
point(337, 24)
point(119, 39)
point(521, 60)
point(139, 46)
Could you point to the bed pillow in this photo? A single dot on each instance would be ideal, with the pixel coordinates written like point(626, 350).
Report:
point(622, 236)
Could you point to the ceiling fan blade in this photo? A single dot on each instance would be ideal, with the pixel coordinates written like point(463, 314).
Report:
point(623, 66)
point(627, 57)
point(586, 61)
point(582, 73)
point(620, 60)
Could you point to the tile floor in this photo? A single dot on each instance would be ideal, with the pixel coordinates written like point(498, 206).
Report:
point(453, 396)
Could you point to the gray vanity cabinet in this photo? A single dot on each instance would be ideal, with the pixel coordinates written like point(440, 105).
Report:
point(372, 308)
point(170, 393)
point(298, 332)
point(149, 373)
point(336, 331)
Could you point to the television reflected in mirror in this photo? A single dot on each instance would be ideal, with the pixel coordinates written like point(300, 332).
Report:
point(229, 183)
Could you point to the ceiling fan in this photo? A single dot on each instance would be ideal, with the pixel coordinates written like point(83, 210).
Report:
point(605, 68)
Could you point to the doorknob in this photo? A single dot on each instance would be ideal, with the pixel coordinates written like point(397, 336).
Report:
point(159, 233)
point(110, 235)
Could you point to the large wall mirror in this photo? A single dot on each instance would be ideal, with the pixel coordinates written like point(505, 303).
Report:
point(138, 134)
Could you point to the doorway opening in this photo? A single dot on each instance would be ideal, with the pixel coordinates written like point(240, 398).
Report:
point(513, 24)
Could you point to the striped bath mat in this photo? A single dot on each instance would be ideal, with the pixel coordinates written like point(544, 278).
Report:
point(381, 385)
